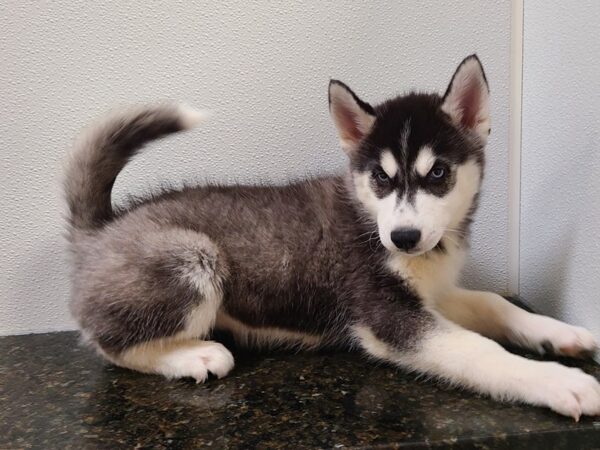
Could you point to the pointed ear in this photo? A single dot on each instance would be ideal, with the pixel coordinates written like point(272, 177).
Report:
point(466, 100)
point(353, 117)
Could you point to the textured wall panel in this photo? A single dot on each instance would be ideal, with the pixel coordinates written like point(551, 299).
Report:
point(262, 67)
point(560, 205)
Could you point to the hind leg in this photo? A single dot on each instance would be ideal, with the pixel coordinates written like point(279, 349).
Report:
point(147, 300)
point(178, 358)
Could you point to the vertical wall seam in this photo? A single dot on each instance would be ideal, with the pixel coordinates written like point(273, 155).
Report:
point(515, 143)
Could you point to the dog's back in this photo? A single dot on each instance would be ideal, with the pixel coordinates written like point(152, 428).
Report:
point(269, 263)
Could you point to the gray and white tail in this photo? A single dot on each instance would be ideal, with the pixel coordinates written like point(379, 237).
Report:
point(102, 152)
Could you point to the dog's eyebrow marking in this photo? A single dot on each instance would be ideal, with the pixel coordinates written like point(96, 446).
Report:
point(425, 160)
point(388, 163)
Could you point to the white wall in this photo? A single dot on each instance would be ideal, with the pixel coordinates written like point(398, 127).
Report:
point(560, 204)
point(261, 66)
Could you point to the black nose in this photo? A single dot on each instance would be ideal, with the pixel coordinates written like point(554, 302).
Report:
point(406, 238)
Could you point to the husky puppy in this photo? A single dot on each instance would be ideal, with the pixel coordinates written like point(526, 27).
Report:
point(368, 259)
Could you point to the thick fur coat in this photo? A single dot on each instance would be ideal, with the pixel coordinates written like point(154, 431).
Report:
point(366, 259)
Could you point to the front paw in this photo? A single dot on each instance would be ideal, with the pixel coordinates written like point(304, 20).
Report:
point(558, 338)
point(572, 341)
point(566, 390)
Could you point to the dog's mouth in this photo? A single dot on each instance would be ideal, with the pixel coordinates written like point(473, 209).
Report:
point(439, 246)
point(423, 249)
point(432, 244)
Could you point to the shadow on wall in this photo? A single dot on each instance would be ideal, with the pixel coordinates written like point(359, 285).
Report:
point(39, 273)
point(553, 269)
point(551, 274)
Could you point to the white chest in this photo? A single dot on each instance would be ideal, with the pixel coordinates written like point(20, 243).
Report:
point(431, 274)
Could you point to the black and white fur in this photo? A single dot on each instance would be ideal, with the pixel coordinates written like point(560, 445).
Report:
point(368, 259)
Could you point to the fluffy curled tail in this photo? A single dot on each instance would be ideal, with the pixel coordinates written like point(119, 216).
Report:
point(102, 152)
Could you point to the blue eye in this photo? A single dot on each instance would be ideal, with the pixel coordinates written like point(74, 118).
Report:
point(380, 176)
point(437, 173)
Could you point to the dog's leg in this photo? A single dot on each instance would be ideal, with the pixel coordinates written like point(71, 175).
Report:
point(150, 298)
point(495, 317)
point(462, 357)
point(178, 358)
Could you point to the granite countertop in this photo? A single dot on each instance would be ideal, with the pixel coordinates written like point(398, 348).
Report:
point(57, 394)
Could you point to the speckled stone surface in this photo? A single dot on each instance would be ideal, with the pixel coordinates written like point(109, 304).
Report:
point(56, 394)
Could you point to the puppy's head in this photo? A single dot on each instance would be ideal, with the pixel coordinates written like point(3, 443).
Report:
point(416, 161)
